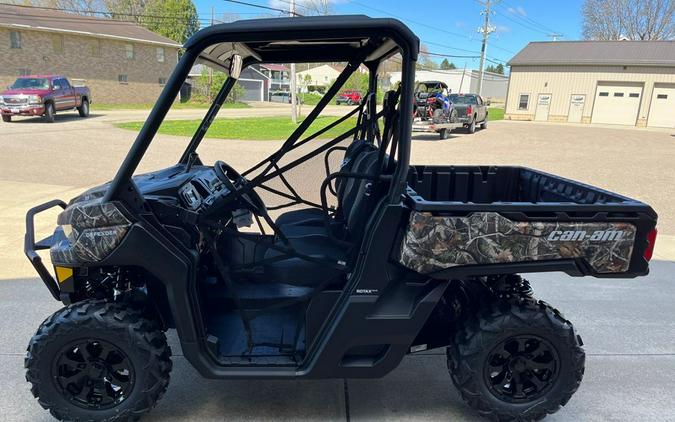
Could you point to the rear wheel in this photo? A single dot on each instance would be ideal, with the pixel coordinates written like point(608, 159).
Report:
point(443, 133)
point(98, 361)
point(484, 124)
point(49, 113)
point(471, 128)
point(519, 361)
point(6, 118)
point(84, 109)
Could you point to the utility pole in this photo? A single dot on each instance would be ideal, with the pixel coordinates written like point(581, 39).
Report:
point(486, 30)
point(294, 104)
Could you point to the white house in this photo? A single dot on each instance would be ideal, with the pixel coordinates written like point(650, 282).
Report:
point(318, 78)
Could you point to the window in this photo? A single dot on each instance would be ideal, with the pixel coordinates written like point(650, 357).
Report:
point(129, 51)
point(160, 54)
point(661, 96)
point(64, 83)
point(56, 84)
point(24, 72)
point(604, 94)
point(634, 95)
point(523, 101)
point(162, 81)
point(96, 48)
point(15, 39)
point(618, 94)
point(57, 43)
point(122, 79)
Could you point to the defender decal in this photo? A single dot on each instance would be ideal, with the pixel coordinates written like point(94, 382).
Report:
point(434, 243)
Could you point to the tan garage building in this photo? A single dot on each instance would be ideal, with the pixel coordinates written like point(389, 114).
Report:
point(608, 82)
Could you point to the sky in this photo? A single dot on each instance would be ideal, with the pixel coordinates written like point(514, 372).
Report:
point(448, 27)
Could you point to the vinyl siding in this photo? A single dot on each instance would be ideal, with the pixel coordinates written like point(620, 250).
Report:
point(564, 81)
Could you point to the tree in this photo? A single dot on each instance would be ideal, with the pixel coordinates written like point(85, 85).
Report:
point(495, 69)
point(180, 19)
point(214, 82)
point(446, 65)
point(424, 60)
point(631, 19)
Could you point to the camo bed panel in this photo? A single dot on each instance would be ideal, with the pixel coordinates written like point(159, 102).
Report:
point(434, 243)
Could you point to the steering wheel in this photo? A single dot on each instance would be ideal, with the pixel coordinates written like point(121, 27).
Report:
point(235, 182)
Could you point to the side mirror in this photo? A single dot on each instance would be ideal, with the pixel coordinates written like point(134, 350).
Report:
point(235, 66)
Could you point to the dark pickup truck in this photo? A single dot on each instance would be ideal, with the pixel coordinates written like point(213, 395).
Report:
point(43, 95)
point(471, 110)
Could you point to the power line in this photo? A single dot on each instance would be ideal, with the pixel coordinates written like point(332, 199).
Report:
point(528, 19)
point(82, 14)
point(260, 6)
point(435, 28)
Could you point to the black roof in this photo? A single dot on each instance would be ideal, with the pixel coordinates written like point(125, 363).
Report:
point(306, 39)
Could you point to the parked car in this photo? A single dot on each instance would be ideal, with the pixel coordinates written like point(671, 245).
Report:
point(43, 95)
point(471, 110)
point(349, 97)
point(283, 97)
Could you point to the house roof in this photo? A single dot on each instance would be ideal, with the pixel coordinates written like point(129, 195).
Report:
point(275, 67)
point(21, 17)
point(622, 53)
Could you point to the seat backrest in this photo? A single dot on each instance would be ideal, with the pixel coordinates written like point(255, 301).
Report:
point(361, 195)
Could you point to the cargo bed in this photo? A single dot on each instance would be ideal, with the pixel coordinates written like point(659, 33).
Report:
point(478, 220)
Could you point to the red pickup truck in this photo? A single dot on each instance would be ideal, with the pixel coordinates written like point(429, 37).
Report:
point(43, 95)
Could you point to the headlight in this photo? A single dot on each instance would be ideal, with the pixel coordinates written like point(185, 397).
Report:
point(34, 99)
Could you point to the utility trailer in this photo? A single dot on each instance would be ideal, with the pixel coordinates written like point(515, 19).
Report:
point(429, 126)
point(363, 265)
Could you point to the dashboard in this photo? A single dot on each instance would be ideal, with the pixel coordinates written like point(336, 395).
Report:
point(202, 190)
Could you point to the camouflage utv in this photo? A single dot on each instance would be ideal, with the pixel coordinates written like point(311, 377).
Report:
point(333, 257)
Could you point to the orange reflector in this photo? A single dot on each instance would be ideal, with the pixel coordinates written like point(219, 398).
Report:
point(63, 273)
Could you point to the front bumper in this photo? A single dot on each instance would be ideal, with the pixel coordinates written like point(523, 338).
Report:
point(22, 110)
point(30, 247)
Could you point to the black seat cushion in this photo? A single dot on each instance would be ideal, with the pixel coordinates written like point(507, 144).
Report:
point(296, 271)
point(305, 216)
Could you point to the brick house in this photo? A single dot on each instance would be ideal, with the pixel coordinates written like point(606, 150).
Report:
point(120, 61)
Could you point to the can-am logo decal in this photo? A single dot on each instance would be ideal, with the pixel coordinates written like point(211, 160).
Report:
point(581, 235)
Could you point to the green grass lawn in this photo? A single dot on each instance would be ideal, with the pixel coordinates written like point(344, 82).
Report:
point(495, 113)
point(266, 128)
point(177, 106)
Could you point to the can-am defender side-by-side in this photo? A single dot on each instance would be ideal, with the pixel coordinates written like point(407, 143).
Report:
point(340, 276)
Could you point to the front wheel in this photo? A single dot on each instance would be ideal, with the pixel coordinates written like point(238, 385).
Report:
point(517, 362)
point(6, 118)
point(84, 109)
point(49, 113)
point(98, 361)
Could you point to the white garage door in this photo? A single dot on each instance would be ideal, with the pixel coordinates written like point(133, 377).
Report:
point(662, 111)
point(617, 104)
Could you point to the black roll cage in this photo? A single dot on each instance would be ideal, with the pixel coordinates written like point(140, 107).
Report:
point(354, 39)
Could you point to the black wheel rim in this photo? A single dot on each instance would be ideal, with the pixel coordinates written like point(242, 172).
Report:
point(93, 374)
point(521, 368)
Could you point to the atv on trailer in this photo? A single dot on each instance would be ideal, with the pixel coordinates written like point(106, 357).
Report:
point(342, 275)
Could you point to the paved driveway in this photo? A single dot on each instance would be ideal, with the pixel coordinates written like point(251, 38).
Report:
point(628, 325)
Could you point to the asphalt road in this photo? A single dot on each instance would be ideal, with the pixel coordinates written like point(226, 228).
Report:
point(628, 325)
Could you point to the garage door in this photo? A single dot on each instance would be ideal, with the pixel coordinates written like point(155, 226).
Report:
point(662, 110)
point(253, 89)
point(617, 104)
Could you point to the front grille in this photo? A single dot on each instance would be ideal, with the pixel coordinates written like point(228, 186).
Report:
point(15, 100)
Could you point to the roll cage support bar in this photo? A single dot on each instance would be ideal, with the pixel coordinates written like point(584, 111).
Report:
point(122, 186)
